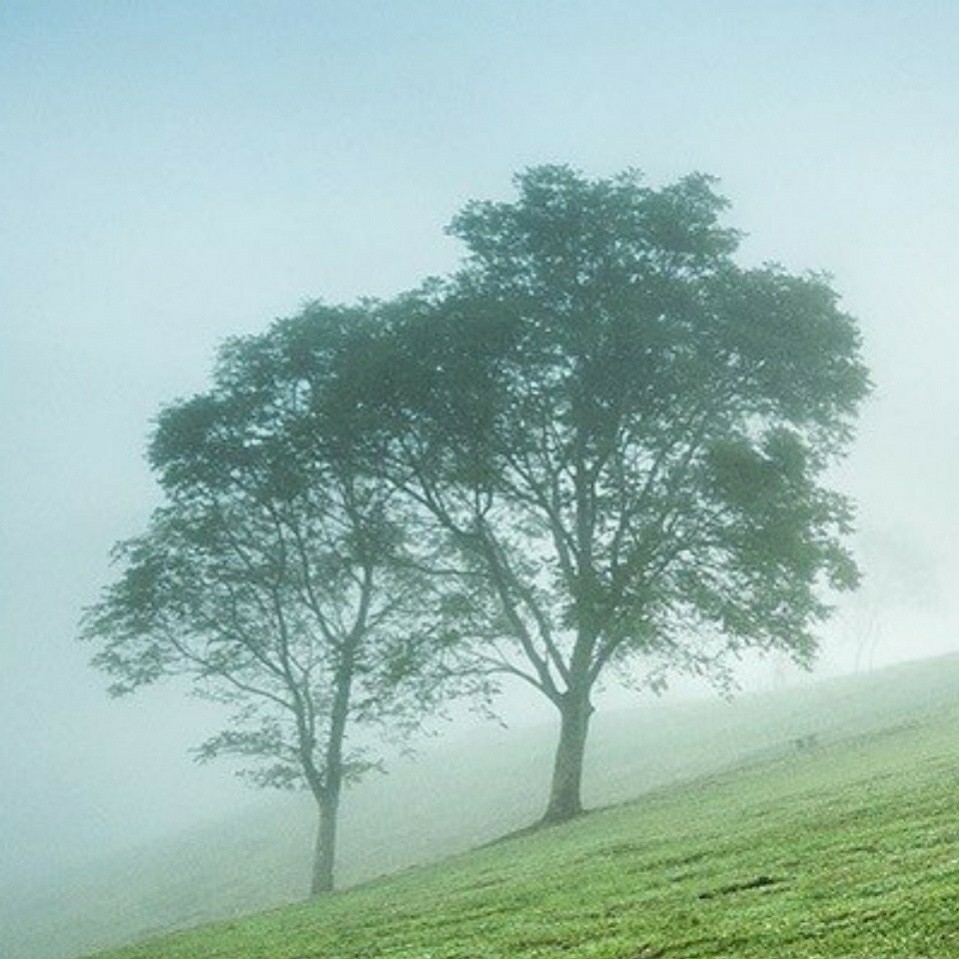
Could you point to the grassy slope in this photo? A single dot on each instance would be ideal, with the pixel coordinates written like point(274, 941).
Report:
point(847, 849)
point(457, 796)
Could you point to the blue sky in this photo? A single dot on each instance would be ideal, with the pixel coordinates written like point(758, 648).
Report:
point(173, 173)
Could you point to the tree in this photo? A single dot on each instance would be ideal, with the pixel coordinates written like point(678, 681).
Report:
point(624, 435)
point(275, 582)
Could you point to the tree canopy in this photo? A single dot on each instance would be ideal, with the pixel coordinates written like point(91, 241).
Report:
point(601, 447)
point(625, 434)
point(276, 578)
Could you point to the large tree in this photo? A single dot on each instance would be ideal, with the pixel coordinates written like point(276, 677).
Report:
point(624, 434)
point(280, 583)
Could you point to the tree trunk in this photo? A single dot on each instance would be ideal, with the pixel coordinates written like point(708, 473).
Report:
point(565, 800)
point(328, 795)
point(325, 853)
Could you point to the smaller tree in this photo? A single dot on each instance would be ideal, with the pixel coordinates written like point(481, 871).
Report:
point(279, 582)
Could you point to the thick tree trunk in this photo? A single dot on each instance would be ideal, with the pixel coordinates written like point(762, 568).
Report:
point(565, 798)
point(325, 853)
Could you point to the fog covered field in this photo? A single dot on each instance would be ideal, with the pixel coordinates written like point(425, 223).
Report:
point(637, 323)
point(455, 796)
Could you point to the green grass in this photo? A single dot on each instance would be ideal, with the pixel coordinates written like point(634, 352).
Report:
point(850, 848)
point(459, 793)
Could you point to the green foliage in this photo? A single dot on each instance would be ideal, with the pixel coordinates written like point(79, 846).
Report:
point(276, 577)
point(625, 434)
point(601, 444)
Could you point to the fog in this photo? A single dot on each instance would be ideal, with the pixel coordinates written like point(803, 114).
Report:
point(175, 173)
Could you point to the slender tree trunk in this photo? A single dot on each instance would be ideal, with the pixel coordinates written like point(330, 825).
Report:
point(565, 798)
point(325, 853)
point(328, 798)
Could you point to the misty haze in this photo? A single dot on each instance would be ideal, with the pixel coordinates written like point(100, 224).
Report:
point(479, 480)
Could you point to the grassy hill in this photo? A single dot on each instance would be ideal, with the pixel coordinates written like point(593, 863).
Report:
point(742, 845)
point(850, 849)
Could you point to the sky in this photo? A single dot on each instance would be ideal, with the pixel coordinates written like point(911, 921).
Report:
point(175, 173)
